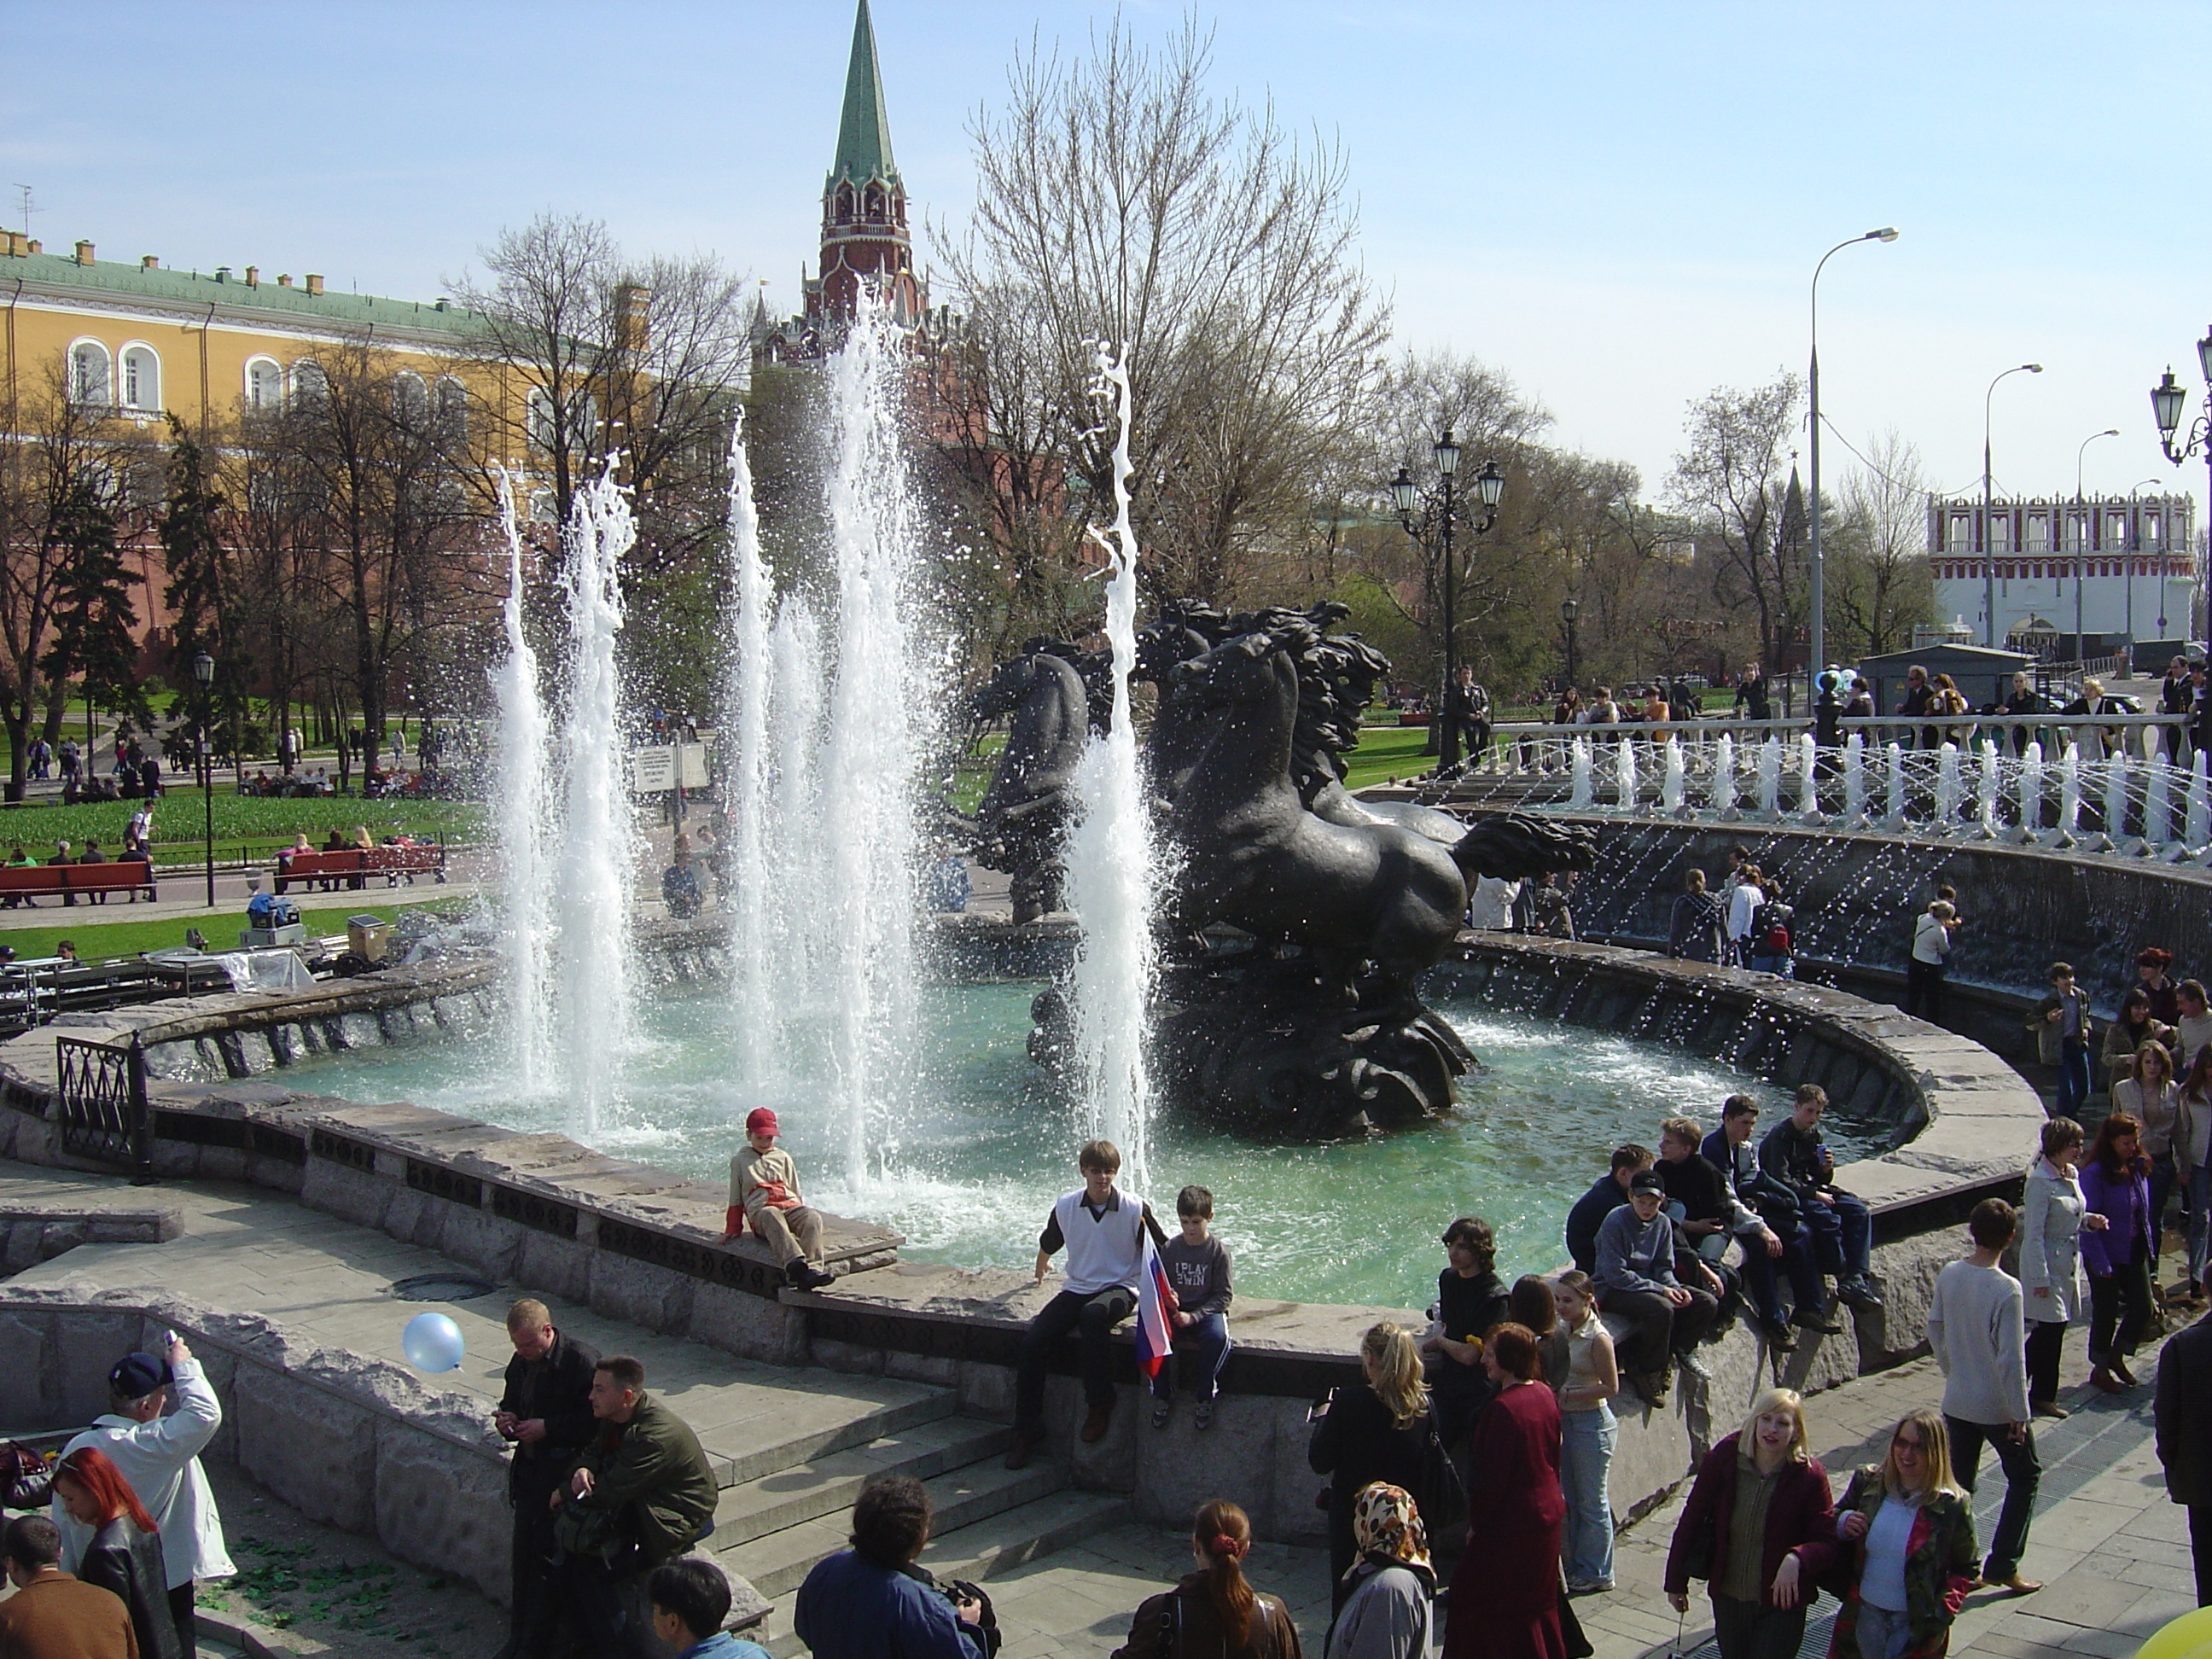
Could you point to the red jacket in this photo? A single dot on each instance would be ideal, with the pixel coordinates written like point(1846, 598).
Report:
point(1802, 1517)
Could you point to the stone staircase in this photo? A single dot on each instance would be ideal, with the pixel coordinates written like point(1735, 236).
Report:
point(786, 1502)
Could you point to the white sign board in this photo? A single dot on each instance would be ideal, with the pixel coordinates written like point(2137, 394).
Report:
point(654, 770)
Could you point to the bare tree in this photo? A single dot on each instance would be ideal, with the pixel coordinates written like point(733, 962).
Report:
point(1881, 585)
point(1729, 482)
point(1118, 201)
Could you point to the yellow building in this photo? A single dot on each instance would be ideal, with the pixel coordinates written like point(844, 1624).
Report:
point(145, 341)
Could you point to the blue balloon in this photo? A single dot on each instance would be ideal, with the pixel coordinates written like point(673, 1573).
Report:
point(432, 1343)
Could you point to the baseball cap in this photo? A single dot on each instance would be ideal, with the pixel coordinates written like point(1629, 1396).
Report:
point(1645, 1181)
point(761, 1122)
point(137, 1374)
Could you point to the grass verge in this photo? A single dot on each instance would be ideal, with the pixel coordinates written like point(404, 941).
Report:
point(97, 941)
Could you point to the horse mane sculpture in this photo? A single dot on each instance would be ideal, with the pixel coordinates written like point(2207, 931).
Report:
point(1300, 920)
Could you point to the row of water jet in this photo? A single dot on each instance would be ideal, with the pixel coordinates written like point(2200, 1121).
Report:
point(760, 923)
point(1111, 856)
point(594, 1025)
point(522, 794)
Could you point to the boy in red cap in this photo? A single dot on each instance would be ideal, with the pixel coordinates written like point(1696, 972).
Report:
point(764, 1191)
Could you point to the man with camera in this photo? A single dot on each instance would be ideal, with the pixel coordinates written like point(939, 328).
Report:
point(874, 1602)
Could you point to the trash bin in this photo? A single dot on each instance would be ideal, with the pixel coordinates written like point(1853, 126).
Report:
point(369, 938)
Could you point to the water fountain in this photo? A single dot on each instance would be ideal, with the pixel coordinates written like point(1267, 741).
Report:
point(1948, 784)
point(2070, 795)
point(1110, 855)
point(1582, 793)
point(597, 836)
point(1723, 790)
point(755, 893)
point(1855, 784)
point(1897, 792)
point(1808, 788)
point(1986, 792)
point(2116, 798)
point(522, 791)
point(1770, 778)
point(2158, 805)
point(2030, 797)
point(1624, 775)
point(1670, 783)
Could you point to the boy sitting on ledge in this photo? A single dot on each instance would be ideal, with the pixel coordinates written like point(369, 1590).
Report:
point(764, 1191)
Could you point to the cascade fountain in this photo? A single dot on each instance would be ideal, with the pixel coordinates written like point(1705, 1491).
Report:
point(1770, 778)
point(1947, 789)
point(1111, 856)
point(1723, 790)
point(1809, 792)
point(1854, 787)
point(1986, 792)
point(523, 793)
point(2030, 786)
point(597, 838)
point(1670, 784)
point(2116, 793)
point(2158, 805)
point(2069, 792)
point(1624, 775)
point(1583, 788)
point(2199, 832)
point(1897, 795)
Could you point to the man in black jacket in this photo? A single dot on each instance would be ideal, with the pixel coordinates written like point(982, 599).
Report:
point(1793, 1154)
point(2185, 1438)
point(546, 1411)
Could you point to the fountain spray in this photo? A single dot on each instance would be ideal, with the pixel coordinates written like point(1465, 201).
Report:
point(749, 771)
point(523, 791)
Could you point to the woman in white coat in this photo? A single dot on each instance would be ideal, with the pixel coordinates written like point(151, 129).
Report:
point(2051, 1219)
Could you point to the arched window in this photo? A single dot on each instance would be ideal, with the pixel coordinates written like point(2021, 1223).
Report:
point(142, 378)
point(411, 398)
point(452, 411)
point(844, 201)
point(875, 204)
point(265, 384)
point(309, 384)
point(88, 379)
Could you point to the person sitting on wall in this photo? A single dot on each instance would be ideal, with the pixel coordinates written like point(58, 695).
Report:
point(1605, 1196)
point(764, 1191)
point(1101, 1229)
point(1793, 1154)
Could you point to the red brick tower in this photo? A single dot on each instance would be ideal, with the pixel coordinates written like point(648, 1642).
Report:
point(864, 230)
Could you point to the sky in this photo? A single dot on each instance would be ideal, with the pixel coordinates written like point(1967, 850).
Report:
point(1618, 205)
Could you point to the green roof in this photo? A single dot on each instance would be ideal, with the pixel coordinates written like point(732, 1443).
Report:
point(196, 288)
point(864, 132)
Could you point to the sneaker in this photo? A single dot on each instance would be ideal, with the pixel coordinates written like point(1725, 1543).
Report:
point(1161, 1411)
point(1859, 1293)
point(1695, 1366)
point(1589, 1586)
point(1811, 1319)
point(1202, 1419)
point(811, 1278)
point(1776, 1333)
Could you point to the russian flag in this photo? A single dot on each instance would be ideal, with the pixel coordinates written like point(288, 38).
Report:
point(1156, 1300)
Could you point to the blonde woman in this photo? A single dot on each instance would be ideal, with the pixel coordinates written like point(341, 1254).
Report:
point(1376, 1432)
point(1910, 1533)
point(2052, 1216)
point(1763, 1575)
point(1591, 1377)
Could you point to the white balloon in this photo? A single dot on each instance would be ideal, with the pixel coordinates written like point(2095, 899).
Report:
point(433, 1342)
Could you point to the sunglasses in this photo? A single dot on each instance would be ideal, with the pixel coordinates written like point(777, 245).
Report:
point(1902, 1444)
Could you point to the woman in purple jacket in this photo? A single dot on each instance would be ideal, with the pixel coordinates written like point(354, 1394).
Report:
point(1762, 1583)
point(2116, 1184)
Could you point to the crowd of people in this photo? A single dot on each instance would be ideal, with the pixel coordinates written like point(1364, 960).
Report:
point(1745, 924)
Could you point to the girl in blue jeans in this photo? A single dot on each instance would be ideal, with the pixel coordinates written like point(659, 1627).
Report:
point(1587, 1432)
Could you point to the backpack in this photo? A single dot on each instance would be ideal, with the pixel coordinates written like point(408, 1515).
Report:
point(1775, 942)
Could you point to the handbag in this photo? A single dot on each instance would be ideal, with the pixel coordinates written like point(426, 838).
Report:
point(1443, 1498)
point(587, 1529)
point(1698, 1558)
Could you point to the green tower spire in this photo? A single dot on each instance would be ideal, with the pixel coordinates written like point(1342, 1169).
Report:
point(864, 132)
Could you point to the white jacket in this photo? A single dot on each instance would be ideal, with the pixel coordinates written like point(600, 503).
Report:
point(2051, 1246)
point(161, 1460)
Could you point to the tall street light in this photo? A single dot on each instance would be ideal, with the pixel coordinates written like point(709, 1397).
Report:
point(1569, 610)
point(1427, 513)
point(2082, 537)
point(2166, 401)
point(1887, 233)
point(203, 671)
point(2134, 546)
point(1989, 510)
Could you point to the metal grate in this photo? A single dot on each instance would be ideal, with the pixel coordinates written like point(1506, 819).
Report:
point(441, 1287)
point(102, 1093)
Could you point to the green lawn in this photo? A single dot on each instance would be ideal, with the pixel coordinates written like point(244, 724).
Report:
point(253, 823)
point(95, 941)
point(1387, 752)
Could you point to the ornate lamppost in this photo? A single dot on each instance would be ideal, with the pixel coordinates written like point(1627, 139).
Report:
point(1427, 516)
point(1989, 539)
point(1569, 610)
point(203, 671)
point(2167, 400)
point(1820, 594)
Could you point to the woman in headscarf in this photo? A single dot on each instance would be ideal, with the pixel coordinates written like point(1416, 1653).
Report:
point(1390, 1611)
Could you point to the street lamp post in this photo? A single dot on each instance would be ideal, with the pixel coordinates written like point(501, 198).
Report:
point(2166, 401)
point(203, 671)
point(1569, 609)
point(1989, 541)
point(2082, 539)
point(1819, 596)
point(1424, 513)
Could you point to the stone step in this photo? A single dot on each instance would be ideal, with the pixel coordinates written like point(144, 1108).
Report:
point(980, 1551)
point(754, 1509)
point(791, 1430)
point(778, 1563)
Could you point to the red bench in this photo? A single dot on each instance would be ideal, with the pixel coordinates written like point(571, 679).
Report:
point(38, 880)
point(356, 864)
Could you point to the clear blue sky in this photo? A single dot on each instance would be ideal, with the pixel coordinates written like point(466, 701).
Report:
point(1619, 204)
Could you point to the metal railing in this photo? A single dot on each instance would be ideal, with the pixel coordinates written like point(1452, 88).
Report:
point(101, 1104)
point(2129, 784)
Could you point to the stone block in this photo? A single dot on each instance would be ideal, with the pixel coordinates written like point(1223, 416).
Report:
point(986, 1391)
point(223, 1163)
point(60, 1238)
point(851, 1357)
point(1178, 1469)
point(481, 1240)
point(1291, 1480)
point(309, 1446)
point(30, 1381)
point(24, 1238)
point(346, 1193)
point(940, 1372)
point(554, 1266)
point(750, 1326)
point(91, 1340)
point(1110, 1463)
point(444, 1506)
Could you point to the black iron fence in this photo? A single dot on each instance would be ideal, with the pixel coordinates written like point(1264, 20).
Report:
point(103, 1105)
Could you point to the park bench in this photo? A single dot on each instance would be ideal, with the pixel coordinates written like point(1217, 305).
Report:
point(355, 865)
point(30, 881)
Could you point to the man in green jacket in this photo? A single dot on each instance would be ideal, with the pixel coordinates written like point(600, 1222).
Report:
point(642, 1492)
